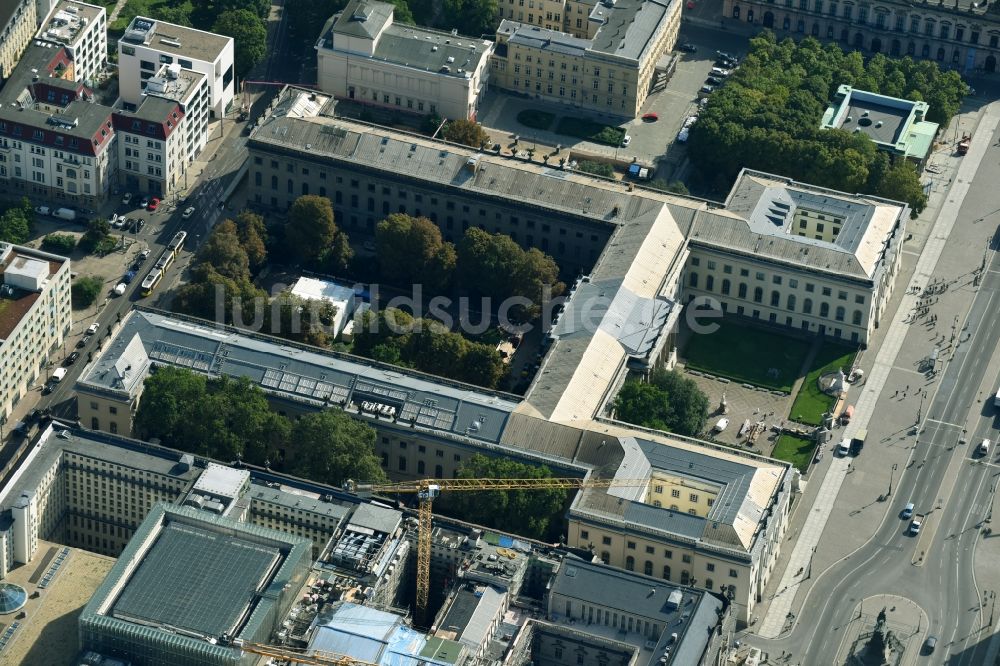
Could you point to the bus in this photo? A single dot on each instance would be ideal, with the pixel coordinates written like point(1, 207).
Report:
point(177, 242)
point(153, 279)
point(163, 263)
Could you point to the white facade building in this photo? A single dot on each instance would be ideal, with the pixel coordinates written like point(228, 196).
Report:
point(341, 297)
point(83, 30)
point(364, 56)
point(148, 44)
point(35, 317)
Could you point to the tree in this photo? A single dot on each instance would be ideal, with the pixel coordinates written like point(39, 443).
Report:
point(412, 251)
point(167, 394)
point(16, 223)
point(223, 251)
point(178, 15)
point(98, 231)
point(85, 291)
point(332, 447)
point(401, 12)
point(249, 34)
point(669, 401)
point(252, 232)
point(310, 229)
point(259, 7)
point(495, 266)
point(902, 183)
point(59, 243)
point(534, 513)
point(470, 17)
point(674, 186)
point(466, 132)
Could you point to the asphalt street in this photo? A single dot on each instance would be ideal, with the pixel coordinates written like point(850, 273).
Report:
point(945, 479)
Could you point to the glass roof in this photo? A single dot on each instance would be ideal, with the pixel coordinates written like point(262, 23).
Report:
point(12, 597)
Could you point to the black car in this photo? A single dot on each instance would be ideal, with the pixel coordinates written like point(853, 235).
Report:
point(688, 47)
point(243, 116)
point(71, 359)
point(713, 81)
point(83, 342)
point(139, 224)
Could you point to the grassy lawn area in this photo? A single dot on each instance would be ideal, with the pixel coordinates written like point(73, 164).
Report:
point(795, 450)
point(535, 119)
point(746, 354)
point(149, 8)
point(811, 403)
point(590, 131)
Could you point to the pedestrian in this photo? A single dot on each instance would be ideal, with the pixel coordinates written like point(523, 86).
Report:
point(907, 388)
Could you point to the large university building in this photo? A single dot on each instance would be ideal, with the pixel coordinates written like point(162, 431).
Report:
point(363, 55)
point(963, 34)
point(35, 317)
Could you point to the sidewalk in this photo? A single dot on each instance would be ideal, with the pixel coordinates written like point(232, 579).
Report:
point(891, 356)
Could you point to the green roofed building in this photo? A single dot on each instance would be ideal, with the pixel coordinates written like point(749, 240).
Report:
point(897, 126)
point(186, 580)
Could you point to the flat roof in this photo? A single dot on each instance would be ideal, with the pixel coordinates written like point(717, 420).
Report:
point(298, 372)
point(178, 40)
point(197, 580)
point(46, 637)
point(69, 20)
point(628, 26)
point(16, 303)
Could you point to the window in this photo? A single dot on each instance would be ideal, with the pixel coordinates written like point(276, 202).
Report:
point(790, 303)
point(758, 295)
point(775, 298)
point(650, 550)
point(606, 540)
point(675, 493)
point(709, 567)
point(841, 295)
point(742, 292)
point(584, 534)
point(693, 497)
point(686, 558)
point(648, 568)
point(732, 573)
point(856, 318)
point(666, 572)
point(693, 280)
point(402, 463)
point(630, 545)
point(826, 291)
point(824, 309)
point(725, 287)
point(630, 563)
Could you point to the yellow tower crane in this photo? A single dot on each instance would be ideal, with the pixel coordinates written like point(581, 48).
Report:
point(427, 490)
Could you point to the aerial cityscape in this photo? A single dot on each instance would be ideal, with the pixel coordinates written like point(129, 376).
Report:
point(499, 332)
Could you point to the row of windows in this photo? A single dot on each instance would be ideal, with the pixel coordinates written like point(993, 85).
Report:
point(793, 283)
point(791, 301)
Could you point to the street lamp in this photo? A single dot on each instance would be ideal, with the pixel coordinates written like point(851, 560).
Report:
point(891, 473)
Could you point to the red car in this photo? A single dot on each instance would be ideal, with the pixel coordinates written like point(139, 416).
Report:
point(650, 118)
point(153, 203)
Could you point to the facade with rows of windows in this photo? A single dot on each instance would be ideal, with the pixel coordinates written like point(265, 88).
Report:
point(962, 35)
point(603, 60)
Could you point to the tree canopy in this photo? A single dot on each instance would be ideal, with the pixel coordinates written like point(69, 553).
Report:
point(496, 266)
point(228, 419)
point(768, 117)
point(393, 336)
point(249, 37)
point(85, 291)
point(668, 401)
point(312, 236)
point(466, 132)
point(17, 221)
point(533, 513)
point(411, 251)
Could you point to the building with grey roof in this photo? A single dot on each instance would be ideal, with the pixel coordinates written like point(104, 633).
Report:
point(187, 582)
point(362, 55)
point(895, 125)
point(148, 43)
point(604, 63)
point(83, 30)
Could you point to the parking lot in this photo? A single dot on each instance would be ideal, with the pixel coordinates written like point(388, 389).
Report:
point(652, 142)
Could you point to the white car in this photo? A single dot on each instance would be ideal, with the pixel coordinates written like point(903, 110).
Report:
point(120, 288)
point(144, 254)
point(626, 140)
point(93, 328)
point(682, 136)
point(690, 120)
point(718, 71)
point(43, 210)
point(127, 199)
point(188, 212)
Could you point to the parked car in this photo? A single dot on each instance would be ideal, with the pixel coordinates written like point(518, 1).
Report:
point(720, 72)
point(650, 117)
point(690, 120)
point(128, 277)
point(626, 140)
point(118, 222)
point(153, 203)
point(728, 63)
point(120, 289)
point(93, 328)
point(144, 202)
point(682, 136)
point(188, 212)
point(71, 359)
point(43, 210)
point(705, 91)
point(688, 47)
point(82, 342)
point(127, 198)
point(713, 81)
point(929, 645)
point(139, 224)
point(86, 211)
point(723, 54)
point(144, 254)
point(243, 116)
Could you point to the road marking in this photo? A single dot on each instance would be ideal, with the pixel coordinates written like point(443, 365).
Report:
point(944, 423)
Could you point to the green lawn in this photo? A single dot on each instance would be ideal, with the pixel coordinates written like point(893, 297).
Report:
point(591, 131)
point(811, 403)
point(745, 354)
point(536, 119)
point(151, 8)
point(795, 450)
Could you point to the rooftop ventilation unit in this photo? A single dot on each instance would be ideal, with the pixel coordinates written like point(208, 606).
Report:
point(170, 42)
